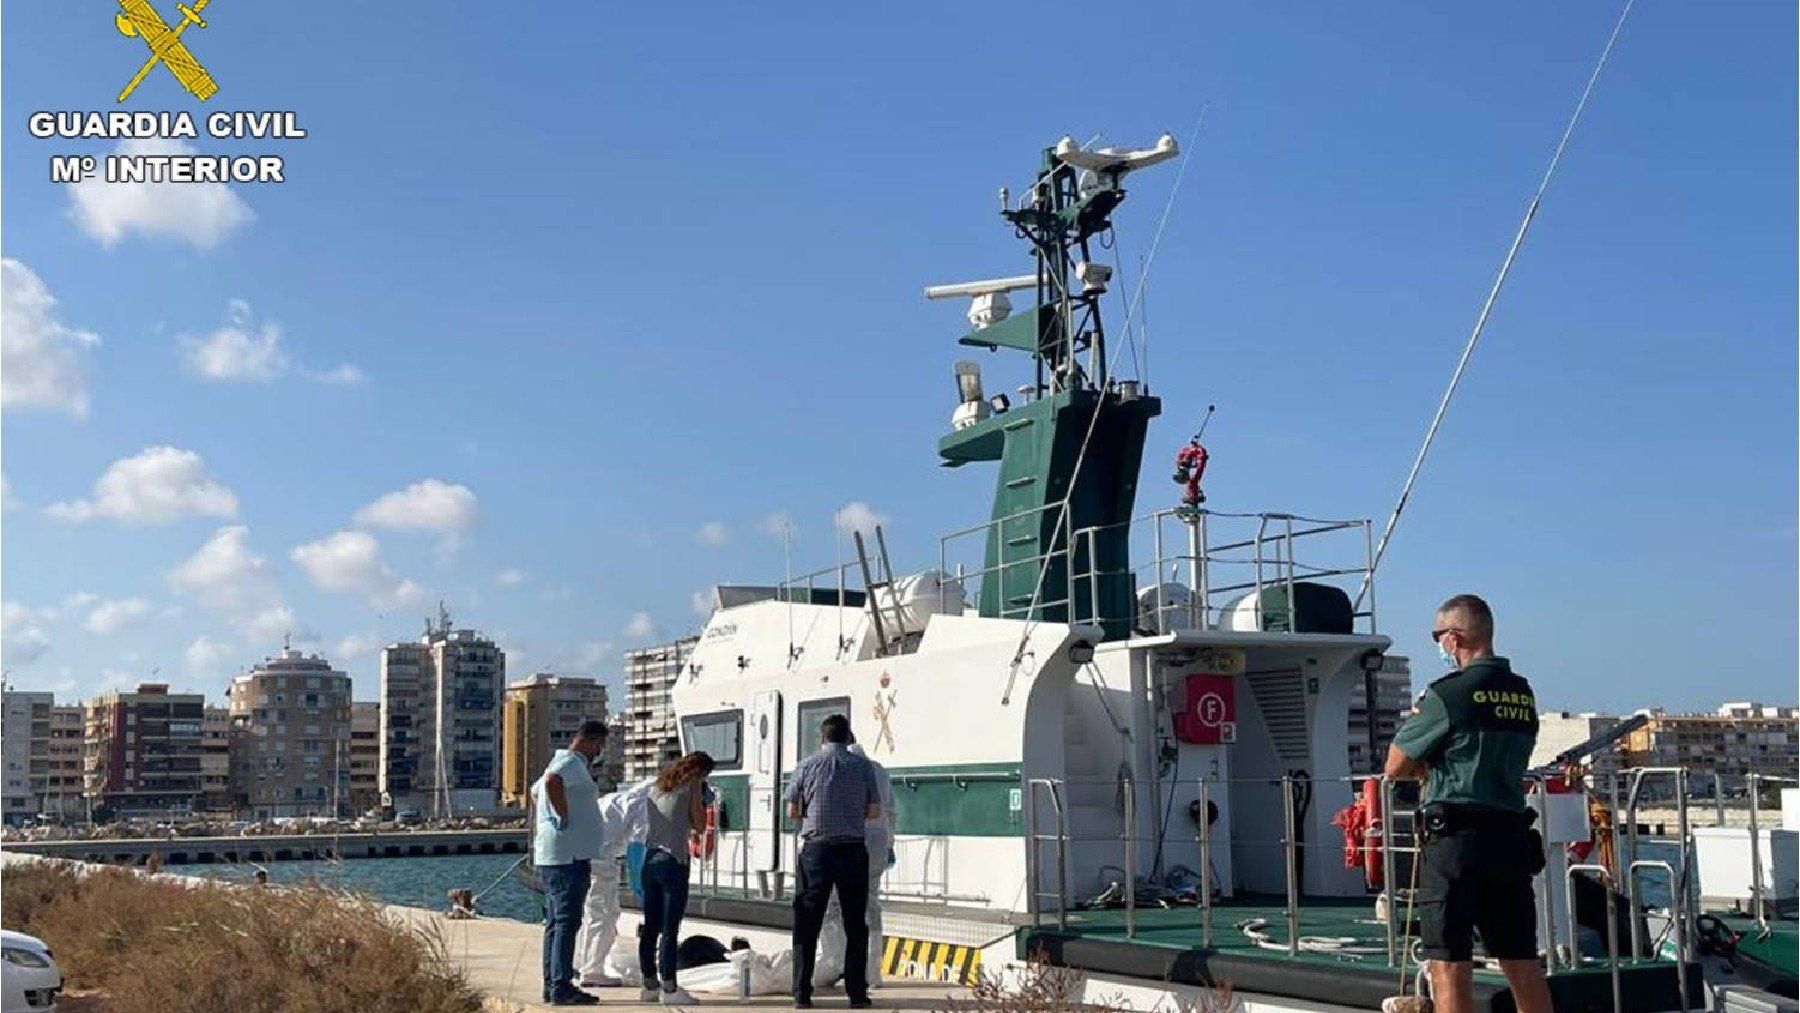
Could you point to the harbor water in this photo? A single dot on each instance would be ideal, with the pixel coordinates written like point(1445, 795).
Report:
point(413, 882)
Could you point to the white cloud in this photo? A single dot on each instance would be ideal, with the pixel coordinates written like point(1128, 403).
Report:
point(245, 351)
point(7, 500)
point(207, 656)
point(510, 577)
point(355, 646)
point(712, 533)
point(431, 505)
point(41, 358)
point(160, 485)
point(226, 576)
point(112, 615)
point(349, 562)
point(22, 640)
point(202, 215)
point(344, 374)
point(241, 351)
point(590, 655)
point(857, 516)
point(703, 604)
point(640, 626)
point(777, 525)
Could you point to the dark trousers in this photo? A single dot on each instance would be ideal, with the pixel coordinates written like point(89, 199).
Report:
point(665, 902)
point(565, 892)
point(843, 867)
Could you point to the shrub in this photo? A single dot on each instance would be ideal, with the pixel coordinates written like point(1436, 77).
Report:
point(154, 945)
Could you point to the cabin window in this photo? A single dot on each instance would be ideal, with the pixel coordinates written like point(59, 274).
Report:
point(720, 734)
point(813, 713)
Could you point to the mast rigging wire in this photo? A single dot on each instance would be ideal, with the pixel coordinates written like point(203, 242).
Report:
point(1487, 307)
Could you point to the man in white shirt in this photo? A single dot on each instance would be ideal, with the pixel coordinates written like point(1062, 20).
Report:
point(566, 839)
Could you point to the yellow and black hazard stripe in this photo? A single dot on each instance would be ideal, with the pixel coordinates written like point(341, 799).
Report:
point(930, 960)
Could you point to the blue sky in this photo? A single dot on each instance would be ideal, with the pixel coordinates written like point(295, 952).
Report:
point(617, 285)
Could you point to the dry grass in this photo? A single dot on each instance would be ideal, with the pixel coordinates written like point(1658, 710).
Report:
point(1041, 987)
point(153, 945)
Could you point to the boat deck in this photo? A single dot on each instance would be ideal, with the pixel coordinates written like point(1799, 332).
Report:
point(1166, 945)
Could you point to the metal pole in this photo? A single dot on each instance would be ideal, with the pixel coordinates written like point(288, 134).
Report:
point(1718, 800)
point(1678, 900)
point(1679, 926)
point(1387, 864)
point(1033, 902)
point(1062, 863)
point(1130, 863)
point(1156, 572)
point(1287, 845)
point(1544, 902)
point(1612, 933)
point(1756, 876)
point(1198, 568)
point(1205, 863)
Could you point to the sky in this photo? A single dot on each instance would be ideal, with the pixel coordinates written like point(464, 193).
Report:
point(564, 313)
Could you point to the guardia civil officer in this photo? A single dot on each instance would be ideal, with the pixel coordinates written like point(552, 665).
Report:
point(1470, 740)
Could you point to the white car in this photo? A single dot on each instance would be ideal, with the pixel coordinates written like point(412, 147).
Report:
point(29, 978)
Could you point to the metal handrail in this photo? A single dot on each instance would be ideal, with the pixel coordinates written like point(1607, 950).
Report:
point(1034, 841)
point(1612, 926)
point(1677, 916)
point(1678, 903)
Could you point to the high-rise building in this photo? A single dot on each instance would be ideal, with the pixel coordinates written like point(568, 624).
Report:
point(609, 773)
point(144, 752)
point(440, 722)
point(651, 736)
point(1723, 747)
point(291, 715)
point(25, 748)
point(68, 745)
point(541, 715)
point(215, 761)
point(365, 755)
point(1559, 731)
point(1393, 701)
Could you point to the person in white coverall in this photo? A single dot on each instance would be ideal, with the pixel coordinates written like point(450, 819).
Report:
point(878, 836)
point(621, 822)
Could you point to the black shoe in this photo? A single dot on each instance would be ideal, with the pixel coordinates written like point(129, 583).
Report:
point(862, 1003)
point(575, 998)
point(803, 1002)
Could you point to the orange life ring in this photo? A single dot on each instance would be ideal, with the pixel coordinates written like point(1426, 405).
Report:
point(708, 841)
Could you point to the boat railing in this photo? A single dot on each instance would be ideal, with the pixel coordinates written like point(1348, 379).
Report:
point(1226, 559)
point(954, 550)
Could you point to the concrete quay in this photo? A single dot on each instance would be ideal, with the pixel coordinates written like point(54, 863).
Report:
point(279, 847)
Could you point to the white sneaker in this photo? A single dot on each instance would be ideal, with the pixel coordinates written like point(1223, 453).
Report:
point(679, 997)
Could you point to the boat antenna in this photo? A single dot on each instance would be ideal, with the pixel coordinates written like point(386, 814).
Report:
point(1487, 307)
point(1100, 383)
point(1205, 421)
point(1137, 295)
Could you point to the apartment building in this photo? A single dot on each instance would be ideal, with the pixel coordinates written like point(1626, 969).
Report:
point(365, 755)
point(651, 735)
point(25, 752)
point(1393, 702)
point(541, 715)
point(215, 761)
point(68, 744)
point(440, 722)
point(291, 717)
point(1728, 744)
point(143, 754)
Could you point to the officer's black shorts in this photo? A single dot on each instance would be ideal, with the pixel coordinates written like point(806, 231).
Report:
point(1479, 880)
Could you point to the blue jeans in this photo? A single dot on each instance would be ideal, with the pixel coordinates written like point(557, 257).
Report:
point(565, 891)
point(665, 902)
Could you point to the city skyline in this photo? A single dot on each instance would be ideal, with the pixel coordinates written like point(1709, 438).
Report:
point(492, 356)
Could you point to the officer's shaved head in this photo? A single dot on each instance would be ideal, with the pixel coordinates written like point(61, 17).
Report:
point(1471, 615)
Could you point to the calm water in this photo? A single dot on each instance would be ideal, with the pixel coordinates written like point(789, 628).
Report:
point(413, 882)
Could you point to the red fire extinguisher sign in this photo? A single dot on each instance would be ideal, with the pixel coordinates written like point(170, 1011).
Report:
point(1208, 716)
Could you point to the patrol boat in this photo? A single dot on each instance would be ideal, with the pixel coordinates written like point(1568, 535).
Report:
point(1117, 741)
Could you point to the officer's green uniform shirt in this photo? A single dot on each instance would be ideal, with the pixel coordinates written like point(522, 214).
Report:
point(1475, 728)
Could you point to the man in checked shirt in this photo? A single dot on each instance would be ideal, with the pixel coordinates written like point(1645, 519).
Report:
point(833, 793)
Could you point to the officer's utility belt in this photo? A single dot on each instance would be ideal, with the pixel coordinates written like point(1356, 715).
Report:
point(1441, 819)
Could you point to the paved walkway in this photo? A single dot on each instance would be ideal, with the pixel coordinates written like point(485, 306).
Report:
point(502, 958)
